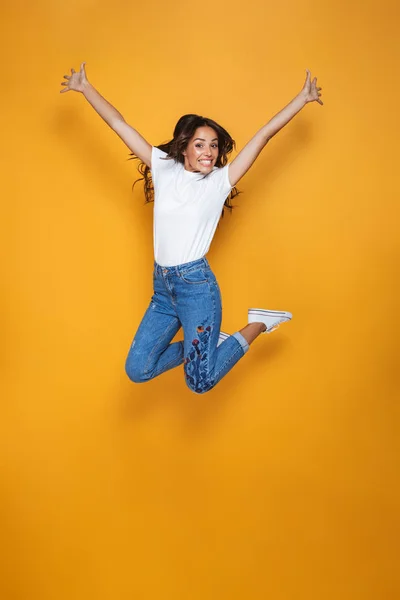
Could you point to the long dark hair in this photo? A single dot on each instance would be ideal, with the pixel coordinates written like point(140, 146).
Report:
point(183, 132)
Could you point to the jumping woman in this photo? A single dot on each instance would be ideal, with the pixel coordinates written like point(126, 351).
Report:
point(191, 181)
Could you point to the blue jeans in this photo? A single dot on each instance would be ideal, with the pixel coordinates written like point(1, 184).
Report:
point(186, 296)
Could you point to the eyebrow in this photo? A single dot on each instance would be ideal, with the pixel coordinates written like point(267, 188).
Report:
point(201, 139)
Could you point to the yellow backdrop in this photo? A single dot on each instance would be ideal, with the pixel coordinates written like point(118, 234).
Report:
point(281, 483)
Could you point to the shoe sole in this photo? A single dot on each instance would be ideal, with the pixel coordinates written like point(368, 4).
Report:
point(270, 313)
point(261, 312)
point(222, 337)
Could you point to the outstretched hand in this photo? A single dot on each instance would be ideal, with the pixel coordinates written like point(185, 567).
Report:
point(76, 81)
point(310, 90)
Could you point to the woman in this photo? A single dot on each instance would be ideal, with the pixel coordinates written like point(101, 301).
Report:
point(191, 181)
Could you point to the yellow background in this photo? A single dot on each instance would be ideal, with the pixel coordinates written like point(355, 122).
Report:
point(282, 482)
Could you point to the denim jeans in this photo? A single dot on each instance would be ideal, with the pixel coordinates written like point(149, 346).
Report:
point(186, 296)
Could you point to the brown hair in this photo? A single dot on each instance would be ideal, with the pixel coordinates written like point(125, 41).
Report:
point(183, 132)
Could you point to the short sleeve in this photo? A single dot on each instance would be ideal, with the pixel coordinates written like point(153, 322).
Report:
point(158, 162)
point(222, 180)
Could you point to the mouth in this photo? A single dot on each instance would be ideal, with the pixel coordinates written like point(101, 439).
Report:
point(206, 162)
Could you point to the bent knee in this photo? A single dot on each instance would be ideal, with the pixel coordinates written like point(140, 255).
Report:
point(200, 385)
point(136, 372)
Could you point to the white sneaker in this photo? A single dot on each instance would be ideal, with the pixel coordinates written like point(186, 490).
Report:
point(271, 318)
point(222, 337)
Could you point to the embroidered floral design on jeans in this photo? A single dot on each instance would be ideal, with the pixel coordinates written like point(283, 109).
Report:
point(196, 361)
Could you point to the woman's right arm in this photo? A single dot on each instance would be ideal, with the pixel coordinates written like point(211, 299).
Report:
point(132, 138)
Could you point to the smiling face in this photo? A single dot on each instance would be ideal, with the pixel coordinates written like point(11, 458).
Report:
point(202, 150)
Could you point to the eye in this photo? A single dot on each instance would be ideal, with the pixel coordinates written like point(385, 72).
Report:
point(198, 145)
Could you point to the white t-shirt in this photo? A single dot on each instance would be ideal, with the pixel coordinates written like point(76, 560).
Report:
point(187, 208)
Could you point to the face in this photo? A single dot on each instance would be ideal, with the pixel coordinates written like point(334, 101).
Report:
point(202, 150)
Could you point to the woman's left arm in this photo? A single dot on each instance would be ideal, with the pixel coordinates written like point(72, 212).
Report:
point(246, 157)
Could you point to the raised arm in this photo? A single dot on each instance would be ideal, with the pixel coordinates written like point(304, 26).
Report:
point(246, 157)
point(78, 82)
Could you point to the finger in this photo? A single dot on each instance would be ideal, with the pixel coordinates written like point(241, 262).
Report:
point(83, 66)
point(64, 90)
point(73, 71)
point(67, 76)
point(65, 83)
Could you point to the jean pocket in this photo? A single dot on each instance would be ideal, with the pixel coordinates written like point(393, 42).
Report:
point(194, 276)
